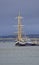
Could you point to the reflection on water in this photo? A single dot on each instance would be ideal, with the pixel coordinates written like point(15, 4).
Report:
point(12, 55)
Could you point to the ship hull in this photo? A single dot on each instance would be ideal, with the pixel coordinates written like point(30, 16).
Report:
point(18, 44)
point(26, 44)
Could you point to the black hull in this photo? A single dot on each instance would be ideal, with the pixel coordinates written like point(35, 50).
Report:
point(18, 44)
point(26, 44)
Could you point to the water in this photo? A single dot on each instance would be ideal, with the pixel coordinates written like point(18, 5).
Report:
point(12, 55)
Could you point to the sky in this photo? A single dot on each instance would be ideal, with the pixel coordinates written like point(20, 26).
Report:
point(9, 10)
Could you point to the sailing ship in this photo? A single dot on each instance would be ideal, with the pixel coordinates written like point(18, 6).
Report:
point(20, 41)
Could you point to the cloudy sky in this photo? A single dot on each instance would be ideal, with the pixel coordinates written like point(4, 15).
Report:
point(9, 9)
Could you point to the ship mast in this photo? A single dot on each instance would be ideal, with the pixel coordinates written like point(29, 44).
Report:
point(19, 27)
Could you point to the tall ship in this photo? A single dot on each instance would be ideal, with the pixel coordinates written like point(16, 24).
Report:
point(20, 41)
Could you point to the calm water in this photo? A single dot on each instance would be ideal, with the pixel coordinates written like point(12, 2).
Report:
point(12, 55)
